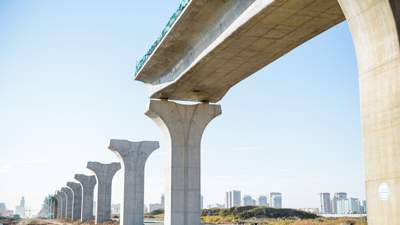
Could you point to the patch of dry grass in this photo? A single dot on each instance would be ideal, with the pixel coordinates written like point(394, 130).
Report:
point(318, 221)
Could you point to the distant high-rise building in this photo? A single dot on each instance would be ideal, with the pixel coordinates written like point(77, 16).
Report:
point(22, 202)
point(343, 206)
point(364, 207)
point(276, 200)
point(248, 200)
point(337, 196)
point(201, 201)
point(263, 200)
point(3, 207)
point(325, 203)
point(232, 199)
point(20, 209)
point(163, 200)
point(340, 195)
point(355, 206)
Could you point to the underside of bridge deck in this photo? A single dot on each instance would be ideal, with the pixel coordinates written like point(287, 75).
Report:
point(216, 44)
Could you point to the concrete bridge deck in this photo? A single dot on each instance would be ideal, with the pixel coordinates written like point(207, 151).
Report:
point(215, 44)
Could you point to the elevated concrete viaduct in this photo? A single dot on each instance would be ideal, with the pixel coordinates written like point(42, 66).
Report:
point(213, 45)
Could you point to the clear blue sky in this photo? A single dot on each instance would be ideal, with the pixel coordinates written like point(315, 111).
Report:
point(66, 88)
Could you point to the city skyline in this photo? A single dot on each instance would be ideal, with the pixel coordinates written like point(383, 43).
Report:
point(234, 198)
point(341, 203)
point(61, 104)
point(261, 199)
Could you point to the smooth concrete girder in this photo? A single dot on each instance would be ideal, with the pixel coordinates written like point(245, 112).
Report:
point(88, 183)
point(133, 157)
point(77, 200)
point(183, 127)
point(196, 18)
point(69, 201)
point(104, 174)
point(200, 59)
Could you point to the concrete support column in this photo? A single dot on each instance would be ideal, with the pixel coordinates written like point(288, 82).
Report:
point(375, 27)
point(57, 215)
point(77, 200)
point(53, 207)
point(63, 207)
point(87, 183)
point(104, 174)
point(133, 156)
point(69, 201)
point(183, 126)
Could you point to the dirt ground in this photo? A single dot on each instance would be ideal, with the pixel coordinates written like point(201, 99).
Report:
point(59, 222)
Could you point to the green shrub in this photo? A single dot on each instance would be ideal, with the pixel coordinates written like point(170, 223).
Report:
point(246, 212)
point(157, 212)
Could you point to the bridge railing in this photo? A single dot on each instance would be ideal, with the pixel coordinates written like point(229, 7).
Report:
point(167, 28)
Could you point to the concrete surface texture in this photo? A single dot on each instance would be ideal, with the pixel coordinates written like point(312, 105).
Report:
point(63, 198)
point(374, 25)
point(104, 174)
point(69, 200)
point(59, 205)
point(87, 183)
point(182, 126)
point(77, 200)
point(53, 206)
point(209, 51)
point(133, 156)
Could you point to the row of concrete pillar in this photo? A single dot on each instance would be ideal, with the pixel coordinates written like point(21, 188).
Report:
point(182, 126)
